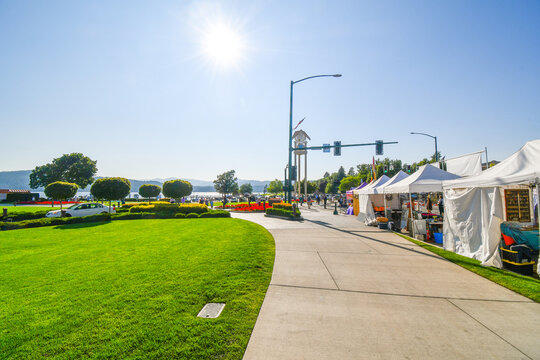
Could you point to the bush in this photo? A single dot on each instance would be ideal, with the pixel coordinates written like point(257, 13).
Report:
point(166, 207)
point(54, 221)
point(25, 216)
point(284, 206)
point(282, 212)
point(216, 214)
point(180, 216)
point(149, 190)
point(192, 216)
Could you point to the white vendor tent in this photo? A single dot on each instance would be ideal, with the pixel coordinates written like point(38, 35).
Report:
point(365, 204)
point(474, 206)
point(394, 179)
point(465, 165)
point(427, 178)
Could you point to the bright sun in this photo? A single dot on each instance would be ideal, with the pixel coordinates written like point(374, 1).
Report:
point(223, 45)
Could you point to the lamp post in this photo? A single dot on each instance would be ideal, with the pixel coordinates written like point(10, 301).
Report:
point(433, 137)
point(289, 182)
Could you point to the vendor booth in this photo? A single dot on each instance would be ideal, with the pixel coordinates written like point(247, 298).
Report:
point(478, 207)
point(366, 203)
point(427, 179)
point(354, 198)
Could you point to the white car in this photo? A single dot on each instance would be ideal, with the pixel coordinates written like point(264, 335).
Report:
point(82, 210)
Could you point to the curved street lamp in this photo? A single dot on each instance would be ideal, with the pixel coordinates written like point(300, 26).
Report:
point(433, 137)
point(288, 184)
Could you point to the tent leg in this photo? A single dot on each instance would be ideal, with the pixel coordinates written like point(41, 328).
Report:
point(538, 210)
point(411, 213)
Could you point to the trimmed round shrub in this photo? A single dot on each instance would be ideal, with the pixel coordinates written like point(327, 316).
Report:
point(60, 190)
point(177, 189)
point(192, 216)
point(113, 188)
point(180, 216)
point(149, 190)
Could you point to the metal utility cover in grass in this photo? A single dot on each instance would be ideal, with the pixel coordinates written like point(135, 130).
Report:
point(211, 310)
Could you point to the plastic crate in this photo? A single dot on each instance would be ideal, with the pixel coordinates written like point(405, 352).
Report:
point(438, 237)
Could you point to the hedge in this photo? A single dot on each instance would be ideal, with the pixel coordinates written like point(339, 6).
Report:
point(53, 221)
point(25, 216)
point(282, 212)
point(108, 217)
point(284, 206)
point(176, 208)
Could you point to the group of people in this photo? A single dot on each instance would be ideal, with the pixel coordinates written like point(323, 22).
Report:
point(440, 204)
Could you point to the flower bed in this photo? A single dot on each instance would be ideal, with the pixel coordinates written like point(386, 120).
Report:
point(46, 202)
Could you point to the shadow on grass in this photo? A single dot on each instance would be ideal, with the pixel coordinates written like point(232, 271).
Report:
point(80, 225)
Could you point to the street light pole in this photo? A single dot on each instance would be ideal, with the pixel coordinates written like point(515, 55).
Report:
point(289, 182)
point(433, 137)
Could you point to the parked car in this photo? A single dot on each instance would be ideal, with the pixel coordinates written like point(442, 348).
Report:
point(84, 209)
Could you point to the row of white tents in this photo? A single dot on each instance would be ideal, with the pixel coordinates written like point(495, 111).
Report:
point(474, 205)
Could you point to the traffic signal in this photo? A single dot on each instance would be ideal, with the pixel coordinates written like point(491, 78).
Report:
point(385, 168)
point(293, 173)
point(337, 148)
point(379, 147)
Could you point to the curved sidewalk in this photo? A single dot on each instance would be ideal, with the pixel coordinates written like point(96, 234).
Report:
point(341, 290)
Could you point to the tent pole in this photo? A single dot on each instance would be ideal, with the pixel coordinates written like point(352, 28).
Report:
point(411, 211)
point(384, 204)
point(487, 161)
point(537, 181)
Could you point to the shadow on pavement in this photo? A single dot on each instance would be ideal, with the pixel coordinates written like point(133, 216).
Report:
point(354, 233)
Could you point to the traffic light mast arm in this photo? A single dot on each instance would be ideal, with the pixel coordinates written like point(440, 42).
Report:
point(333, 146)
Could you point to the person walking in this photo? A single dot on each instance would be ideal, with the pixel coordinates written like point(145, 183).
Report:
point(441, 205)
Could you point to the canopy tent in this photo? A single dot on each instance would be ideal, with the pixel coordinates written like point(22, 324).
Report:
point(365, 205)
point(465, 165)
point(366, 189)
point(474, 206)
point(394, 179)
point(427, 178)
point(363, 184)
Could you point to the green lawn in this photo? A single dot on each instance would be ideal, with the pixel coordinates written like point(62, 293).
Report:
point(27, 208)
point(524, 285)
point(132, 289)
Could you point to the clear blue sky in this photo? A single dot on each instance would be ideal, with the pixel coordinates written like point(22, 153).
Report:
point(192, 89)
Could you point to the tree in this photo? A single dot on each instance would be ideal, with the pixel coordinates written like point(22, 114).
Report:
point(246, 189)
point(60, 190)
point(311, 186)
point(113, 188)
point(349, 182)
point(149, 190)
point(177, 189)
point(73, 168)
point(226, 184)
point(351, 172)
point(275, 186)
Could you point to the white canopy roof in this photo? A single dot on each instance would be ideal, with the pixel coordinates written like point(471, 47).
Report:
point(395, 179)
point(427, 178)
point(368, 188)
point(519, 168)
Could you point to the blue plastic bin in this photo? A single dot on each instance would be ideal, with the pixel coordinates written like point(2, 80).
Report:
point(438, 237)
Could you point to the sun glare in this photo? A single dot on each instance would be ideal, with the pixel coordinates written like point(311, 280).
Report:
point(223, 45)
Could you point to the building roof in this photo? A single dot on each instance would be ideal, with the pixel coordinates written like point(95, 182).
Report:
point(14, 191)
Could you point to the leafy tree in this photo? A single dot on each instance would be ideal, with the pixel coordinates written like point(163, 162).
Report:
point(60, 190)
point(326, 175)
point(149, 190)
point(349, 182)
point(246, 189)
point(311, 186)
point(73, 168)
point(275, 186)
point(177, 189)
point(226, 184)
point(113, 188)
point(330, 189)
point(351, 172)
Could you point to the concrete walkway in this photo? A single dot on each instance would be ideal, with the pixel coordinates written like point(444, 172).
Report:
point(341, 290)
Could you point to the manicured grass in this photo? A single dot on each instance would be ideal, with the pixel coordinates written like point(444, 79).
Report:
point(132, 289)
point(524, 285)
point(26, 208)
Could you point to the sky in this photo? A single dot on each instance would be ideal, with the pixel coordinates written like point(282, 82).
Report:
point(191, 89)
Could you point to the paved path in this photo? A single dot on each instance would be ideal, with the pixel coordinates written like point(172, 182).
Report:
point(341, 290)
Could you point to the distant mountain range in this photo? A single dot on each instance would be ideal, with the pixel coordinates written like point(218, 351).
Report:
point(20, 180)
